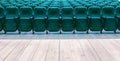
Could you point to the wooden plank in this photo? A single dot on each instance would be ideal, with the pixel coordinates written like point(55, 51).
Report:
point(70, 50)
point(116, 45)
point(77, 51)
point(113, 49)
point(41, 52)
point(16, 53)
point(29, 51)
point(3, 44)
point(65, 51)
point(101, 51)
point(90, 53)
point(53, 51)
point(118, 41)
point(7, 50)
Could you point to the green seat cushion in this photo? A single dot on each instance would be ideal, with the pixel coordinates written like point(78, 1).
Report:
point(81, 24)
point(1, 23)
point(67, 25)
point(53, 25)
point(39, 25)
point(110, 24)
point(25, 25)
point(96, 24)
point(10, 25)
point(1, 17)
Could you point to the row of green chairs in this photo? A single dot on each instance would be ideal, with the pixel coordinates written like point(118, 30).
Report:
point(67, 19)
point(62, 3)
point(59, 16)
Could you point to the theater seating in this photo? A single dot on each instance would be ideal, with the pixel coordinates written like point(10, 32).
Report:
point(11, 20)
point(81, 21)
point(39, 19)
point(59, 16)
point(67, 19)
point(95, 21)
point(2, 17)
point(53, 23)
point(108, 14)
point(118, 16)
point(26, 19)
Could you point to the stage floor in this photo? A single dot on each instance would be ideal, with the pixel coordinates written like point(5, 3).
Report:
point(68, 47)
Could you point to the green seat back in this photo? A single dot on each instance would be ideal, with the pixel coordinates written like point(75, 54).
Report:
point(80, 12)
point(67, 12)
point(1, 11)
point(94, 12)
point(25, 23)
point(1, 17)
point(40, 12)
point(39, 19)
point(118, 11)
point(108, 12)
point(25, 12)
point(53, 12)
point(11, 12)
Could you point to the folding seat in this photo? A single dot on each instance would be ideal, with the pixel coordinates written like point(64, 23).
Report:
point(11, 21)
point(39, 19)
point(34, 1)
point(53, 23)
point(19, 5)
point(66, 4)
point(100, 5)
point(1, 17)
point(67, 19)
point(118, 16)
point(113, 4)
point(108, 14)
point(88, 5)
point(32, 5)
point(26, 18)
point(75, 5)
point(45, 5)
point(14, 4)
point(81, 22)
point(6, 5)
point(94, 15)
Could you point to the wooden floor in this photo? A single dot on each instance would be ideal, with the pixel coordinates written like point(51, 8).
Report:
point(86, 49)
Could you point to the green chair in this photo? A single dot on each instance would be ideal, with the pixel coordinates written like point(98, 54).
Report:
point(19, 5)
point(1, 17)
point(81, 22)
point(108, 14)
point(11, 21)
point(118, 16)
point(6, 5)
point(26, 18)
point(53, 23)
point(67, 19)
point(95, 22)
point(33, 5)
point(39, 19)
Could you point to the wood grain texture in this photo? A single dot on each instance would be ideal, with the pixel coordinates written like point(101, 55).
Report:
point(60, 49)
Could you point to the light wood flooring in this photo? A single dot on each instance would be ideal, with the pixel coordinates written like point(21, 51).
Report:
point(60, 48)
